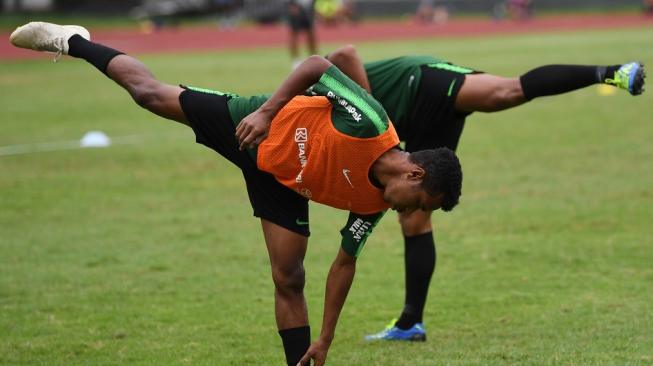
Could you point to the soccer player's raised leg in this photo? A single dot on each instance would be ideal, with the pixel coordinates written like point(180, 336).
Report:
point(151, 94)
point(485, 93)
point(287, 250)
point(490, 93)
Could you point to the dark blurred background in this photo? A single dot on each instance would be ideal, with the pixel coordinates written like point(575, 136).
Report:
point(275, 8)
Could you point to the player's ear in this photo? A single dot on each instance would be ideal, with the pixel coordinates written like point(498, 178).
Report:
point(416, 173)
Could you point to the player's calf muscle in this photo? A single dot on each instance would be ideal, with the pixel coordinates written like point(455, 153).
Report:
point(148, 92)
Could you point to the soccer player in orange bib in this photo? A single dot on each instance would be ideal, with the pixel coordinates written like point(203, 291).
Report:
point(318, 137)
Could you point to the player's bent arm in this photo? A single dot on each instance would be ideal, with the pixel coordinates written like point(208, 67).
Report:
point(253, 128)
point(347, 60)
point(339, 280)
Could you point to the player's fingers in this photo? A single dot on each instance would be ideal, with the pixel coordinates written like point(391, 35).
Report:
point(305, 360)
point(244, 134)
point(241, 131)
point(239, 128)
point(244, 140)
point(244, 127)
point(249, 141)
point(245, 143)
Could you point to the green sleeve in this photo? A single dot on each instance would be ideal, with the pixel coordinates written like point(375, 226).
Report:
point(241, 107)
point(358, 228)
point(355, 112)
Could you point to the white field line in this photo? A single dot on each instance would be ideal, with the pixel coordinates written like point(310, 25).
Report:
point(64, 145)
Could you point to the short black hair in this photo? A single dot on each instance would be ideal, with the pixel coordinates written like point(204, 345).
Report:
point(443, 174)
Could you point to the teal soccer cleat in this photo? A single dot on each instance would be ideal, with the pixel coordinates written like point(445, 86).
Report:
point(416, 333)
point(629, 77)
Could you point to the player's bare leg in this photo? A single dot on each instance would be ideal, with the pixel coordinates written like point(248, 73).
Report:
point(489, 93)
point(286, 250)
point(151, 94)
point(159, 98)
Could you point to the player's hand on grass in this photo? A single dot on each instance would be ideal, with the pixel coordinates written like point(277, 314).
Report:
point(316, 352)
point(253, 129)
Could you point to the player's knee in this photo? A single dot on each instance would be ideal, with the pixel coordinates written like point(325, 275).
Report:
point(509, 94)
point(415, 223)
point(146, 95)
point(289, 281)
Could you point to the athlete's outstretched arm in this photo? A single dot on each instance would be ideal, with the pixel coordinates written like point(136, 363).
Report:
point(341, 276)
point(349, 62)
point(254, 128)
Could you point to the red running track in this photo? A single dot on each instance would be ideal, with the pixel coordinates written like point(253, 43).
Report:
point(214, 38)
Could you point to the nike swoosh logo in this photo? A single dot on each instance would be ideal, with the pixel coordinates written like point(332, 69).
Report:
point(345, 172)
point(300, 222)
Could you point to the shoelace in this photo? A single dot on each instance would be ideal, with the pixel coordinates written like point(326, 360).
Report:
point(59, 49)
point(58, 44)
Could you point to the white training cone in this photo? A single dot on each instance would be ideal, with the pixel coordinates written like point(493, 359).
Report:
point(95, 139)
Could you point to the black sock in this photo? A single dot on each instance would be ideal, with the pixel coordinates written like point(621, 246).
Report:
point(419, 260)
point(295, 343)
point(608, 72)
point(95, 53)
point(558, 79)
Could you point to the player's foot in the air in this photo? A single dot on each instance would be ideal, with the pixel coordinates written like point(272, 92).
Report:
point(629, 77)
point(416, 333)
point(40, 36)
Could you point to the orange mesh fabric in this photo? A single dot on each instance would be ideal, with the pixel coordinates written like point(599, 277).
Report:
point(307, 154)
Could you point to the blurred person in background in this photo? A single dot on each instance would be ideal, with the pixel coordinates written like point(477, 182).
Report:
point(513, 10)
point(519, 9)
point(428, 100)
point(336, 12)
point(301, 19)
point(430, 12)
point(648, 7)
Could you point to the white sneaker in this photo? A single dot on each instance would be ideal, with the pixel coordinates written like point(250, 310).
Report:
point(40, 36)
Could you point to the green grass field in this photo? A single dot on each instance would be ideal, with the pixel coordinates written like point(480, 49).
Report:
point(147, 254)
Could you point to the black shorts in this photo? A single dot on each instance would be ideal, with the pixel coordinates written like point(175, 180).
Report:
point(434, 121)
point(304, 19)
point(209, 117)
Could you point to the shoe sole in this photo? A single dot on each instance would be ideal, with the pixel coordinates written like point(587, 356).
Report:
point(418, 338)
point(639, 80)
point(413, 338)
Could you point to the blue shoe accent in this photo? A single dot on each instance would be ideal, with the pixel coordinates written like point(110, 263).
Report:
point(636, 78)
point(631, 77)
point(416, 333)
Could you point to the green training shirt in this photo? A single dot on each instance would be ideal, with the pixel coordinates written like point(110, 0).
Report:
point(394, 83)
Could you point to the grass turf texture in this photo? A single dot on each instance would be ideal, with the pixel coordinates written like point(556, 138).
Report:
point(148, 254)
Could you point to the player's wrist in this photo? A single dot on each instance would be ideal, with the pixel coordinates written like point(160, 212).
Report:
point(326, 338)
point(269, 110)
